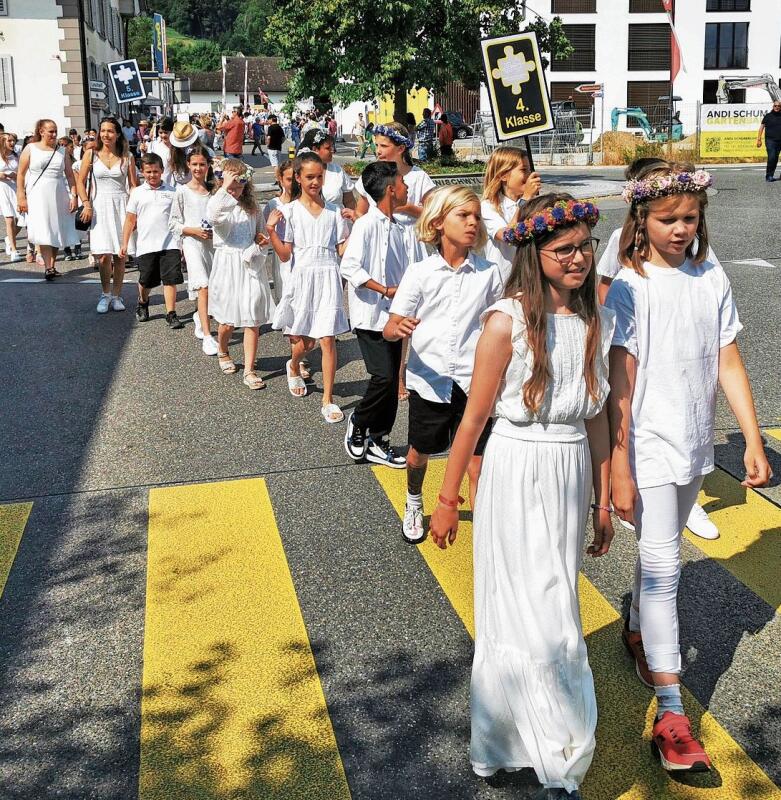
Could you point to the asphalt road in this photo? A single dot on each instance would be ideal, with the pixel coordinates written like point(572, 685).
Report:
point(210, 601)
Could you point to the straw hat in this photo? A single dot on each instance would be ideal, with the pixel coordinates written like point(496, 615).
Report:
point(183, 134)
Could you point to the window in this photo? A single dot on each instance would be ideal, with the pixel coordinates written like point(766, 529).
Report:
point(573, 6)
point(728, 5)
point(87, 9)
point(581, 37)
point(7, 96)
point(649, 46)
point(709, 89)
point(106, 20)
point(119, 39)
point(646, 7)
point(97, 15)
point(726, 45)
point(3, 8)
point(645, 95)
point(566, 90)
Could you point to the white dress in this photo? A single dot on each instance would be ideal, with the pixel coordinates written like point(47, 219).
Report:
point(335, 184)
point(239, 293)
point(110, 193)
point(313, 301)
point(418, 184)
point(8, 186)
point(279, 271)
point(48, 200)
point(532, 692)
point(68, 221)
point(189, 211)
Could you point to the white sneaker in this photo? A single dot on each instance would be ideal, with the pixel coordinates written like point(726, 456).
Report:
point(699, 524)
point(197, 327)
point(412, 527)
point(104, 303)
point(16, 256)
point(209, 346)
point(117, 303)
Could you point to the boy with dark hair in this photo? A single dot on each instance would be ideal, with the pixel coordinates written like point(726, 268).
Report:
point(372, 264)
point(157, 251)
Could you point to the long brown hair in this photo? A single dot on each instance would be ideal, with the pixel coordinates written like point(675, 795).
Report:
point(120, 144)
point(634, 247)
point(298, 162)
point(528, 279)
point(36, 137)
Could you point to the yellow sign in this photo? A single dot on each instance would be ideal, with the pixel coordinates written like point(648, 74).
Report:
point(729, 130)
point(516, 86)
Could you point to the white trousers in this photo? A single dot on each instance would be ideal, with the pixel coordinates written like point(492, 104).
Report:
point(660, 517)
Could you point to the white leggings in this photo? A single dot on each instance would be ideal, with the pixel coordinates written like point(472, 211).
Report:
point(660, 516)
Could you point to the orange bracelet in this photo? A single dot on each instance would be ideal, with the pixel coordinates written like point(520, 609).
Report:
point(450, 503)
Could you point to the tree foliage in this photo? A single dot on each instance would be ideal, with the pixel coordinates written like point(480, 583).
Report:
point(361, 49)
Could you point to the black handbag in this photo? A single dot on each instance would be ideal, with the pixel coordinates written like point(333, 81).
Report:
point(81, 225)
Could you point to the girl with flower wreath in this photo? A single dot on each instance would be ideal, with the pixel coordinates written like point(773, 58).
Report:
point(674, 344)
point(393, 144)
point(541, 369)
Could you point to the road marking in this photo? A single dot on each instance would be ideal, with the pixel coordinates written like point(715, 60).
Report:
point(750, 543)
point(232, 704)
point(23, 280)
point(753, 262)
point(623, 766)
point(13, 519)
point(774, 432)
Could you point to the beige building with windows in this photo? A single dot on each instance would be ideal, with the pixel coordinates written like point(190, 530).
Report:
point(50, 50)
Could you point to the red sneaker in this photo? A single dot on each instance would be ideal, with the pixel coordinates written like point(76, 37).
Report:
point(634, 645)
point(675, 746)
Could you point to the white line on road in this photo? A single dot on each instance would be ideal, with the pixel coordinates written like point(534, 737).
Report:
point(753, 262)
point(22, 280)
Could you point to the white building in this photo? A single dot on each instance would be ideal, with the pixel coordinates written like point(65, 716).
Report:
point(625, 45)
point(50, 50)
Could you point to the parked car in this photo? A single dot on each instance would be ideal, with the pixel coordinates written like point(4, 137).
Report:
point(460, 129)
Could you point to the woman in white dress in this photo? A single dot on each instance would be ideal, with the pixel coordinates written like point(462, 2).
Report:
point(337, 186)
point(9, 164)
point(312, 308)
point(189, 222)
point(393, 144)
point(541, 367)
point(43, 194)
point(110, 173)
point(239, 294)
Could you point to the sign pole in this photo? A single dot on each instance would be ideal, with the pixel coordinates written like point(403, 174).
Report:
point(529, 153)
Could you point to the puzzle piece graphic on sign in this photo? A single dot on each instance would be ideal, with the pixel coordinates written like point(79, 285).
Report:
point(513, 69)
point(125, 74)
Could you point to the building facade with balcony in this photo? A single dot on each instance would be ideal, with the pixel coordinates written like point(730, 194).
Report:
point(625, 45)
point(49, 52)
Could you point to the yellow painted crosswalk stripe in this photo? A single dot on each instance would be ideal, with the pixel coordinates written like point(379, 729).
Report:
point(750, 542)
point(13, 519)
point(623, 766)
point(232, 704)
point(774, 432)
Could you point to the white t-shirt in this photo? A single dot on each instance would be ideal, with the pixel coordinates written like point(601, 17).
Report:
point(152, 208)
point(674, 322)
point(164, 151)
point(335, 183)
point(609, 266)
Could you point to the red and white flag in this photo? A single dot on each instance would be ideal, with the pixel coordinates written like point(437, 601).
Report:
point(676, 59)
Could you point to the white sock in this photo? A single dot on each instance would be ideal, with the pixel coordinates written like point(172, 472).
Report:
point(415, 500)
point(668, 698)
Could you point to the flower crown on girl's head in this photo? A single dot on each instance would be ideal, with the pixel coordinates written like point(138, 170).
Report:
point(393, 135)
point(642, 190)
point(219, 168)
point(560, 215)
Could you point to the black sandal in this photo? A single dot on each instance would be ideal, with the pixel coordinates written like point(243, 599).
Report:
point(50, 274)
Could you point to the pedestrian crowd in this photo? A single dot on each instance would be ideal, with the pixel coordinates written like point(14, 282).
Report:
point(562, 388)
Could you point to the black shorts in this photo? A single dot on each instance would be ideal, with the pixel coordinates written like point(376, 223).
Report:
point(433, 426)
point(164, 267)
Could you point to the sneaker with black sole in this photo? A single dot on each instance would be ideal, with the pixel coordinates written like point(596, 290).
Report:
point(142, 312)
point(673, 743)
point(379, 451)
point(355, 440)
point(174, 323)
point(412, 529)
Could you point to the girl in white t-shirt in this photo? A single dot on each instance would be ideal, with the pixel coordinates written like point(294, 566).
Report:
point(312, 306)
point(508, 185)
point(674, 344)
point(393, 144)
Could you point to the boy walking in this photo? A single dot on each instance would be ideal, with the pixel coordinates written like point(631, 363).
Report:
point(157, 251)
point(373, 263)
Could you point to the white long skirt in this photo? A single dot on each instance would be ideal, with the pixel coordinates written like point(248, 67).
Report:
point(532, 692)
point(198, 256)
point(238, 295)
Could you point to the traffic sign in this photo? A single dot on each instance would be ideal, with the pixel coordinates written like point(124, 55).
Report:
point(101, 104)
point(516, 86)
point(126, 77)
point(589, 88)
point(97, 95)
point(97, 86)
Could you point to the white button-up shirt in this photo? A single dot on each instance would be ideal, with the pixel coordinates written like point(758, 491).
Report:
point(501, 252)
point(448, 303)
point(375, 251)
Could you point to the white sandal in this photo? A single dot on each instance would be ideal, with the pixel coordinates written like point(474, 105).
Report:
point(294, 382)
point(332, 413)
point(226, 364)
point(253, 380)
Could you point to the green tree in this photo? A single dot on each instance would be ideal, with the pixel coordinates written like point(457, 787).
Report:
point(361, 49)
point(248, 33)
point(199, 56)
point(139, 40)
point(202, 19)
